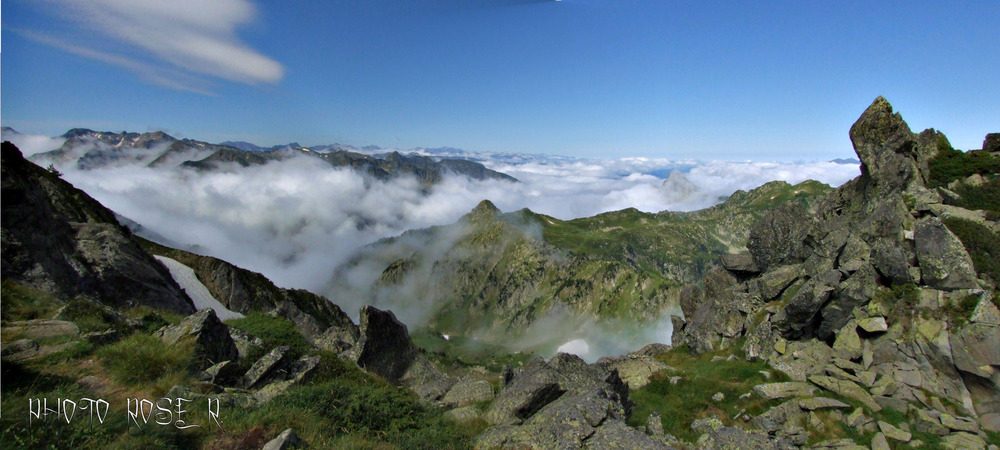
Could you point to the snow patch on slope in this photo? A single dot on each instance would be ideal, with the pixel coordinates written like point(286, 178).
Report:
point(199, 294)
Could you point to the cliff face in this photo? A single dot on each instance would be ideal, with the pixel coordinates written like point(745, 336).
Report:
point(872, 295)
point(59, 240)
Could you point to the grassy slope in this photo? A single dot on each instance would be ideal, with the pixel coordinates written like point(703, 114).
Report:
point(339, 407)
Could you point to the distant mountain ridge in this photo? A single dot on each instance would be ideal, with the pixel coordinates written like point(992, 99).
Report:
point(89, 149)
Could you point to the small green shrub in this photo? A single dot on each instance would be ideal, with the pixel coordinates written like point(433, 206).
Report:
point(142, 358)
point(985, 197)
point(951, 164)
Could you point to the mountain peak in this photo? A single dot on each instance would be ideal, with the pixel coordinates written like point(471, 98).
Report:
point(888, 150)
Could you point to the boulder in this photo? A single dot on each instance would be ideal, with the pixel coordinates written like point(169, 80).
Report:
point(873, 324)
point(847, 389)
point(463, 415)
point(784, 390)
point(634, 369)
point(212, 340)
point(963, 441)
point(286, 440)
point(777, 238)
point(775, 281)
point(384, 347)
point(265, 367)
point(812, 404)
point(975, 350)
point(944, 263)
point(797, 317)
point(466, 392)
point(741, 264)
point(893, 432)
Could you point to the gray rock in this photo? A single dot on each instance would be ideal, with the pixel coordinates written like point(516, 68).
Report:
point(777, 238)
point(873, 324)
point(959, 423)
point(718, 397)
point(426, 380)
point(286, 440)
point(741, 263)
point(223, 373)
point(784, 390)
point(848, 343)
point(463, 415)
point(879, 442)
point(886, 146)
point(213, 342)
point(775, 281)
point(654, 425)
point(466, 392)
point(894, 433)
point(944, 263)
point(794, 319)
point(963, 441)
point(39, 328)
point(847, 389)
point(265, 367)
point(812, 404)
point(734, 437)
point(634, 369)
point(986, 312)
point(245, 343)
point(975, 350)
point(384, 347)
point(20, 350)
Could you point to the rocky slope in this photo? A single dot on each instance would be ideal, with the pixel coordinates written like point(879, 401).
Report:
point(496, 274)
point(870, 297)
point(59, 240)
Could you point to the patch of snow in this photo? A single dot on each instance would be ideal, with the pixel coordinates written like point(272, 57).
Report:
point(446, 337)
point(199, 294)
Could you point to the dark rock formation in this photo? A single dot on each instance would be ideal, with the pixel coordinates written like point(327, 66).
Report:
point(212, 341)
point(58, 239)
point(384, 347)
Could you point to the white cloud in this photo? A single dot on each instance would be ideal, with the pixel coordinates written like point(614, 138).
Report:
point(193, 36)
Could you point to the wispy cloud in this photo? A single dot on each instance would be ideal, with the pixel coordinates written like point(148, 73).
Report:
point(193, 38)
point(168, 78)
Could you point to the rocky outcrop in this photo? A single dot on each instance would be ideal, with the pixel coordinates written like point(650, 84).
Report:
point(318, 319)
point(563, 403)
point(211, 337)
point(866, 296)
point(58, 239)
point(384, 347)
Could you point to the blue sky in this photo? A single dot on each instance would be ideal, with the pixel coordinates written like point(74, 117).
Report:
point(592, 78)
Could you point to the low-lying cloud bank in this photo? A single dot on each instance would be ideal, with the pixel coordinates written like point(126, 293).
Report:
point(296, 220)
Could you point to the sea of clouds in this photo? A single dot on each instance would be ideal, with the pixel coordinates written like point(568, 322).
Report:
point(298, 219)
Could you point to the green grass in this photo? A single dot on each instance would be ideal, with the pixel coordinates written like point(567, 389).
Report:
point(24, 303)
point(273, 331)
point(142, 359)
point(691, 398)
point(982, 244)
point(354, 410)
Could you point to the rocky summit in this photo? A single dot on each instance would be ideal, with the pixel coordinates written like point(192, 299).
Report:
point(874, 297)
